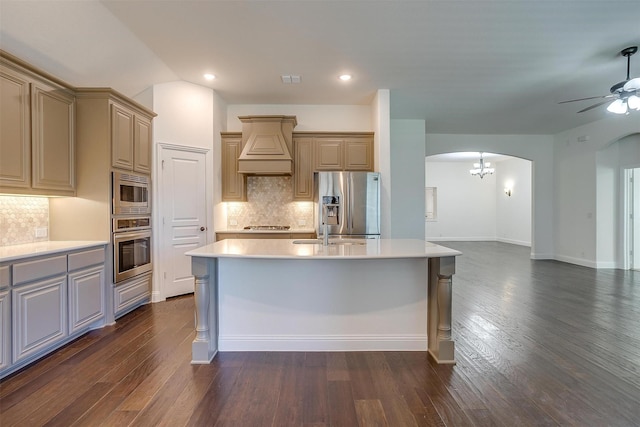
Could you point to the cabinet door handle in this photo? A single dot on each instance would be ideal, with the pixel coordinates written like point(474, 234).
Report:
point(203, 228)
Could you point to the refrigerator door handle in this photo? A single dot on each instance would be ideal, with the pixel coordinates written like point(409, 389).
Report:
point(351, 203)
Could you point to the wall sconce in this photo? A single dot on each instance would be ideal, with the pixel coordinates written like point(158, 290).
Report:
point(507, 191)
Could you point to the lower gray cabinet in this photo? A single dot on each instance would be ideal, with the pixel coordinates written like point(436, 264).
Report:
point(86, 297)
point(39, 316)
point(46, 301)
point(5, 329)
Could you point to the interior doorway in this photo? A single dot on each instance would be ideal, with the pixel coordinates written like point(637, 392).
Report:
point(632, 218)
point(182, 215)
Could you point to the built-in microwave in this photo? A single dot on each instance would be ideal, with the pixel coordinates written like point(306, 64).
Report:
point(131, 194)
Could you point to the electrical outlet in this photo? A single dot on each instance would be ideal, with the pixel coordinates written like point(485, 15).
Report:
point(233, 222)
point(42, 231)
point(302, 222)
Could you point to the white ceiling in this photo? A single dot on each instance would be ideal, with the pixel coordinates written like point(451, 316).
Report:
point(463, 66)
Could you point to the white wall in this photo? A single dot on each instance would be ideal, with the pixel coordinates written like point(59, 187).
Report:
point(537, 148)
point(345, 118)
point(192, 116)
point(583, 212)
point(407, 169)
point(185, 114)
point(610, 164)
point(466, 205)
point(381, 119)
point(470, 208)
point(513, 213)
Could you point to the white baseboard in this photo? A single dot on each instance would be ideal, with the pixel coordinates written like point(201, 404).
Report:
point(479, 239)
point(514, 242)
point(607, 264)
point(542, 256)
point(461, 239)
point(578, 261)
point(322, 343)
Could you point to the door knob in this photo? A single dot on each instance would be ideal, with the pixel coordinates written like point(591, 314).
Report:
point(203, 228)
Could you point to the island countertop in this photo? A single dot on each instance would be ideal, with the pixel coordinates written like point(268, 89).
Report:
point(338, 249)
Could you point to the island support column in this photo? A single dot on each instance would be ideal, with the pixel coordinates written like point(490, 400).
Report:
point(205, 345)
point(440, 343)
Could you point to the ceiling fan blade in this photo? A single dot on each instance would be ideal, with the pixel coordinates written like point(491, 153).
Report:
point(593, 106)
point(631, 85)
point(584, 99)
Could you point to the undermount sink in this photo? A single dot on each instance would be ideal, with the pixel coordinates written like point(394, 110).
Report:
point(331, 242)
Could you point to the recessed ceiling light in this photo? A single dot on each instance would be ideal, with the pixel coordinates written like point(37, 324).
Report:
point(209, 76)
point(345, 77)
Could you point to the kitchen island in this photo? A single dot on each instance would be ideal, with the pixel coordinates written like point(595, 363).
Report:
point(288, 295)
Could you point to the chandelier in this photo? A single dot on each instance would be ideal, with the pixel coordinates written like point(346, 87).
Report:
point(481, 169)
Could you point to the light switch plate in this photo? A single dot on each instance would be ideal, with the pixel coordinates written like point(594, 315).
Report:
point(42, 231)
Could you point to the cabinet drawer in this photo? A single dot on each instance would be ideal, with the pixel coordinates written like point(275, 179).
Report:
point(131, 293)
point(33, 270)
point(5, 276)
point(86, 259)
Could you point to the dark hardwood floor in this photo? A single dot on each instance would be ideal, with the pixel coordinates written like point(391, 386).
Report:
point(538, 343)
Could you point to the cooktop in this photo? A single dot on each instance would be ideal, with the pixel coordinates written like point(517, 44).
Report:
point(267, 227)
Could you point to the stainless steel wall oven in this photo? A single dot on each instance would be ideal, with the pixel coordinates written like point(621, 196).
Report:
point(131, 247)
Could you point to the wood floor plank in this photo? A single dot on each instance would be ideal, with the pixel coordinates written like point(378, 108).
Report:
point(256, 386)
point(370, 413)
point(341, 406)
point(314, 393)
point(290, 409)
point(79, 406)
point(178, 411)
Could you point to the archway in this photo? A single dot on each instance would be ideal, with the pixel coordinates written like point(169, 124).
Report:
point(496, 207)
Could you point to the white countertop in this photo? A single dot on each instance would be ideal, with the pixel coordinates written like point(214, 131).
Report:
point(291, 230)
point(286, 249)
point(27, 250)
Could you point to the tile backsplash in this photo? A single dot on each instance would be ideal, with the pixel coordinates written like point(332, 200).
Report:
point(19, 218)
point(270, 202)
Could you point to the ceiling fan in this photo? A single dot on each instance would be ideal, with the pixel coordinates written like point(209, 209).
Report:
point(626, 94)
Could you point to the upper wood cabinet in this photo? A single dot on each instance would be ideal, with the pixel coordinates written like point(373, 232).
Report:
point(121, 137)
point(358, 154)
point(15, 129)
point(329, 154)
point(37, 132)
point(319, 151)
point(130, 140)
point(53, 139)
point(303, 153)
point(234, 184)
point(312, 151)
point(142, 144)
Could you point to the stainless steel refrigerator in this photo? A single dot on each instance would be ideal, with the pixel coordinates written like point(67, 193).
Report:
point(354, 202)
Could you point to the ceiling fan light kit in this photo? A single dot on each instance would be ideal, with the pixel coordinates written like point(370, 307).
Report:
point(626, 93)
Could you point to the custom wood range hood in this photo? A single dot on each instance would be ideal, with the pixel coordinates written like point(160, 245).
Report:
point(267, 143)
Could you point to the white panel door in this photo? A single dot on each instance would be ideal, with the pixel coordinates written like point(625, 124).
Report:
point(184, 217)
point(635, 216)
